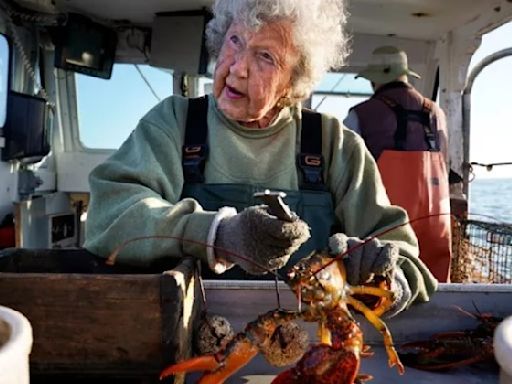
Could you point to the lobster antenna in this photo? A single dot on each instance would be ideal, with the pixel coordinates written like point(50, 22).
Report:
point(276, 282)
point(466, 312)
point(476, 308)
point(376, 235)
point(111, 259)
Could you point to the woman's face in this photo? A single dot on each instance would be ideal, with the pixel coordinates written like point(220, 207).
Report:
point(253, 72)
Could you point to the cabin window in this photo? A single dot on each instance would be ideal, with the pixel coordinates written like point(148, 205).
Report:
point(338, 92)
point(109, 110)
point(205, 86)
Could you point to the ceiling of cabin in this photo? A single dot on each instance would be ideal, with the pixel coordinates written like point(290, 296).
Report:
point(425, 19)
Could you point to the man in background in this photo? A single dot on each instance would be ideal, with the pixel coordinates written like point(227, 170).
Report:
point(406, 134)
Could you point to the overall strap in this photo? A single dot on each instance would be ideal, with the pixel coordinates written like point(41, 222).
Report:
point(310, 159)
point(431, 137)
point(194, 149)
point(404, 115)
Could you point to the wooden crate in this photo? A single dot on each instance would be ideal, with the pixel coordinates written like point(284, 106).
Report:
point(91, 320)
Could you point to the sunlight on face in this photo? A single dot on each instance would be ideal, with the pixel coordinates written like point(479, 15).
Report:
point(253, 72)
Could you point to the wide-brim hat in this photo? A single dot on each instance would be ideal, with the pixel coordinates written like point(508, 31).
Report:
point(387, 64)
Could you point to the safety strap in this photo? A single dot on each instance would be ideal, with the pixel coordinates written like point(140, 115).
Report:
point(195, 149)
point(310, 160)
point(431, 137)
point(405, 115)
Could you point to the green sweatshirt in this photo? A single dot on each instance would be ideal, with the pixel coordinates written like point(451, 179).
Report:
point(136, 192)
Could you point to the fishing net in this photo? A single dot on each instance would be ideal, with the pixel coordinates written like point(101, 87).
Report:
point(482, 252)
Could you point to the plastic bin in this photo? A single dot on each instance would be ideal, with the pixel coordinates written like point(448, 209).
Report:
point(15, 347)
point(503, 350)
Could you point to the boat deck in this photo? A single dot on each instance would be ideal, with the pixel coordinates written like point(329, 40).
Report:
point(243, 301)
point(259, 372)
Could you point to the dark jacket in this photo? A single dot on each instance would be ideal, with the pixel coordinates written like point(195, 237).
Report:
point(378, 123)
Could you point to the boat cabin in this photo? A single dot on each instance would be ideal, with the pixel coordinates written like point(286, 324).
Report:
point(88, 70)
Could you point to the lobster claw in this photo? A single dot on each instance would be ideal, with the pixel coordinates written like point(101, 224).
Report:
point(272, 333)
point(201, 363)
point(217, 367)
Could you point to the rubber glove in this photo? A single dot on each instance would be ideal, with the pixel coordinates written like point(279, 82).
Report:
point(265, 242)
point(373, 259)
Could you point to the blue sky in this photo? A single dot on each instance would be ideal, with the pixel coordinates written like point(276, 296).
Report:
point(108, 110)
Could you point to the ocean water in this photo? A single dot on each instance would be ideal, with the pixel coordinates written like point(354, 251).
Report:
point(492, 198)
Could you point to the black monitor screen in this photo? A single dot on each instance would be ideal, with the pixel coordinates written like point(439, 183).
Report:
point(84, 46)
point(25, 128)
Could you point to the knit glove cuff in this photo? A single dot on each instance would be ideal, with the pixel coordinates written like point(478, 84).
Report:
point(217, 264)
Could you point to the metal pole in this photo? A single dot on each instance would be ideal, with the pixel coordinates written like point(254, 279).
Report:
point(466, 109)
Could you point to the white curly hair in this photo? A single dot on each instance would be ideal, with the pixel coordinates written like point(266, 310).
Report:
point(318, 31)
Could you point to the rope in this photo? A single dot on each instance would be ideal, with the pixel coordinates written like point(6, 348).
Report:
point(332, 89)
point(147, 82)
point(490, 166)
point(31, 18)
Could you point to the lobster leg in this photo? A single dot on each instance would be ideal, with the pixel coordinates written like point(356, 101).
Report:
point(380, 326)
point(361, 379)
point(387, 295)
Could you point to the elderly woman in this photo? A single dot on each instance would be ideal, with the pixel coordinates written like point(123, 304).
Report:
point(190, 168)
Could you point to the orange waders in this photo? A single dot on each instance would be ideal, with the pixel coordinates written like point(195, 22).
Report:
point(418, 182)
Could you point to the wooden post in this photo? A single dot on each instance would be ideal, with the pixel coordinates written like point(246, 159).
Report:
point(180, 305)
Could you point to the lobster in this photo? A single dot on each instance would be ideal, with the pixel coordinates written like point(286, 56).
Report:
point(324, 296)
point(448, 350)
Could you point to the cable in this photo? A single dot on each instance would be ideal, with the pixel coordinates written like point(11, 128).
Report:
point(19, 46)
point(147, 82)
point(490, 166)
point(332, 89)
point(36, 18)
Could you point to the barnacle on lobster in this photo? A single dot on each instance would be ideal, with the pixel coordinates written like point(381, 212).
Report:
point(319, 282)
point(213, 333)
